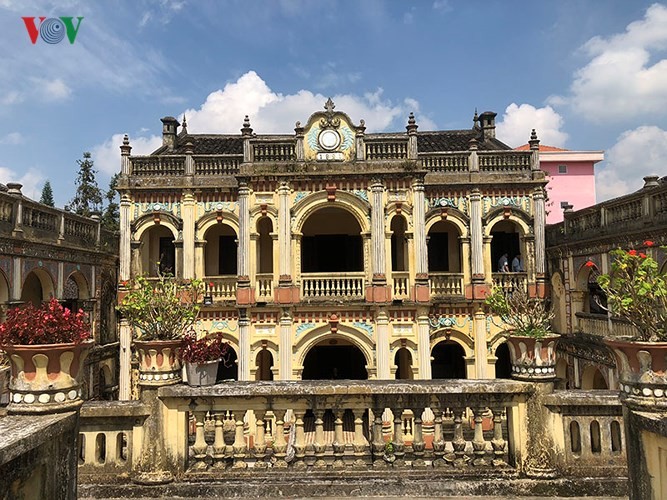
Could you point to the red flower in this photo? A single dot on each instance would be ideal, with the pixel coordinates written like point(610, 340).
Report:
point(589, 264)
point(211, 284)
point(642, 255)
point(649, 243)
point(632, 252)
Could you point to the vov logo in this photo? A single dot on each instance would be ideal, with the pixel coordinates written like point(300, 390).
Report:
point(53, 29)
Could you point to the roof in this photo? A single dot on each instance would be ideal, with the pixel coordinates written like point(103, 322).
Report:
point(543, 147)
point(213, 144)
point(455, 140)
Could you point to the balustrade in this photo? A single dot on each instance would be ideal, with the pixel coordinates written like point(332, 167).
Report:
point(81, 229)
point(221, 287)
point(264, 288)
point(600, 325)
point(158, 165)
point(629, 211)
point(387, 149)
point(6, 210)
point(332, 285)
point(446, 284)
point(445, 162)
point(504, 162)
point(40, 219)
point(279, 151)
point(217, 165)
point(508, 282)
point(401, 285)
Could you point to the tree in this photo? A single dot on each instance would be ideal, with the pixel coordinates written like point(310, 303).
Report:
point(88, 196)
point(111, 215)
point(47, 195)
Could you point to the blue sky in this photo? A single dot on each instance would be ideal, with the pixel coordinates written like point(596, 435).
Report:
point(588, 75)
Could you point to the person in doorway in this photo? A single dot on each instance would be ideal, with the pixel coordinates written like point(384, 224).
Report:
point(503, 266)
point(517, 265)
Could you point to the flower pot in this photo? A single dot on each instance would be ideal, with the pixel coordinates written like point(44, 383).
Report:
point(642, 370)
point(202, 374)
point(45, 378)
point(158, 362)
point(533, 359)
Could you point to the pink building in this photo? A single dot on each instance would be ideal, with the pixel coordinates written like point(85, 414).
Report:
point(571, 177)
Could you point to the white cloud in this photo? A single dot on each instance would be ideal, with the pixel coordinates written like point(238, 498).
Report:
point(32, 181)
point(52, 90)
point(107, 155)
point(637, 153)
point(442, 5)
point(626, 75)
point(518, 121)
point(11, 97)
point(12, 138)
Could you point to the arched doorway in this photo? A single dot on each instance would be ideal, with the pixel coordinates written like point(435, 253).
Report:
point(264, 246)
point(37, 287)
point(158, 251)
point(334, 359)
point(399, 244)
point(331, 242)
point(506, 240)
point(444, 255)
point(592, 378)
point(264, 363)
point(448, 360)
point(221, 251)
point(503, 363)
point(230, 369)
point(403, 362)
point(75, 291)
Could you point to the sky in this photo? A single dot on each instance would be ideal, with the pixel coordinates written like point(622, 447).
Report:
point(586, 74)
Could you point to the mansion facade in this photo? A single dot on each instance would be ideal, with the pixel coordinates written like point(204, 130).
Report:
point(335, 253)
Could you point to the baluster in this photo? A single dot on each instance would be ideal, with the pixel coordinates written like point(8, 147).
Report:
point(319, 445)
point(378, 446)
point(438, 439)
point(200, 446)
point(239, 447)
point(397, 443)
point(458, 443)
point(478, 443)
point(360, 444)
point(418, 445)
point(259, 450)
point(219, 446)
point(339, 439)
point(299, 441)
point(279, 443)
point(498, 443)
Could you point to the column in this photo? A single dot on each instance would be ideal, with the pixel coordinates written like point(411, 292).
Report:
point(125, 237)
point(378, 266)
point(284, 237)
point(382, 352)
point(418, 214)
point(244, 346)
point(477, 256)
point(60, 282)
point(188, 212)
point(424, 343)
point(17, 280)
point(538, 225)
point(125, 370)
point(479, 332)
point(285, 346)
point(244, 232)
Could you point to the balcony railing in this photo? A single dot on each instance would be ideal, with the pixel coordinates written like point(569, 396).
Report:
point(264, 287)
point(332, 285)
point(221, 287)
point(446, 284)
point(400, 285)
point(386, 149)
point(600, 325)
point(445, 162)
point(217, 164)
point(158, 165)
point(508, 282)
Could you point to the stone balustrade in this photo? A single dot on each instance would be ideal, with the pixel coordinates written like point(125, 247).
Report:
point(274, 152)
point(504, 162)
point(602, 326)
point(400, 285)
point(508, 282)
point(445, 162)
point(446, 284)
point(221, 287)
point(332, 285)
point(217, 164)
point(386, 149)
point(264, 287)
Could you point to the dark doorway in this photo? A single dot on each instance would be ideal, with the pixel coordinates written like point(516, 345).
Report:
point(330, 362)
point(227, 255)
point(230, 369)
point(167, 255)
point(399, 244)
point(503, 364)
point(333, 253)
point(403, 362)
point(448, 361)
point(505, 240)
point(438, 252)
point(264, 365)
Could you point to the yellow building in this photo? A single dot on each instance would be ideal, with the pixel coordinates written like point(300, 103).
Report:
point(333, 253)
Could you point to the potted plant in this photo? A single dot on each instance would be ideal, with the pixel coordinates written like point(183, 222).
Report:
point(160, 311)
point(202, 357)
point(637, 291)
point(531, 342)
point(46, 347)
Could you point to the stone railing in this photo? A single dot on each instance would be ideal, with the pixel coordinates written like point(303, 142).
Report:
point(509, 282)
point(274, 152)
point(446, 284)
point(264, 287)
point(41, 217)
point(400, 285)
point(6, 208)
point(386, 149)
point(600, 325)
point(80, 228)
point(157, 165)
point(516, 161)
point(221, 287)
point(332, 285)
point(445, 162)
point(217, 164)
point(588, 433)
point(110, 435)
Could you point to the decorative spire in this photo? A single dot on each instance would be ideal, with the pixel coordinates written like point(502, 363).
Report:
point(329, 105)
point(534, 142)
point(412, 124)
point(125, 148)
point(126, 140)
point(475, 120)
point(184, 125)
point(246, 130)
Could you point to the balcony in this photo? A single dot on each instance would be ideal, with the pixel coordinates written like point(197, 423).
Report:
point(221, 287)
point(328, 286)
point(446, 284)
point(264, 287)
point(508, 282)
point(602, 326)
point(400, 285)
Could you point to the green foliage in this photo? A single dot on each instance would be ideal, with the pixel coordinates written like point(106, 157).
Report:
point(161, 308)
point(47, 195)
point(111, 215)
point(637, 291)
point(88, 196)
point(526, 316)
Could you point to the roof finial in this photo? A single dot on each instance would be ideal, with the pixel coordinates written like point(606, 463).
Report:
point(126, 140)
point(412, 124)
point(246, 130)
point(475, 120)
point(411, 118)
point(329, 105)
point(534, 142)
point(184, 125)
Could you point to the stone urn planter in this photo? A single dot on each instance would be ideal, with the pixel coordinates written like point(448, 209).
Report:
point(642, 369)
point(202, 374)
point(45, 378)
point(159, 362)
point(533, 358)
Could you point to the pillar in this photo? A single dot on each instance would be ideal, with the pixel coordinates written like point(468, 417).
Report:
point(424, 344)
point(244, 346)
point(284, 237)
point(378, 260)
point(244, 291)
point(422, 292)
point(188, 212)
point(285, 346)
point(479, 332)
point(477, 251)
point(382, 351)
point(125, 237)
point(125, 355)
point(539, 221)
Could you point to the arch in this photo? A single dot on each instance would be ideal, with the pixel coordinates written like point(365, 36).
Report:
point(398, 226)
point(461, 338)
point(507, 242)
point(205, 222)
point(503, 363)
point(344, 332)
point(315, 201)
point(221, 250)
point(454, 216)
point(82, 285)
point(594, 299)
point(448, 360)
point(158, 246)
point(392, 209)
point(38, 285)
point(264, 364)
point(146, 222)
point(403, 362)
point(561, 373)
point(331, 359)
point(523, 220)
point(593, 378)
point(258, 211)
point(264, 261)
point(444, 247)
